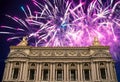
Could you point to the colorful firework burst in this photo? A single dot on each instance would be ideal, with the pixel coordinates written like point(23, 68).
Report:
point(66, 23)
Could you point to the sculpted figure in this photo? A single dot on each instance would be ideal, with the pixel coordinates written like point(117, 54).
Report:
point(23, 42)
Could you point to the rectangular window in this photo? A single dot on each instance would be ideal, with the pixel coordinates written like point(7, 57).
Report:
point(73, 75)
point(45, 74)
point(86, 74)
point(32, 74)
point(15, 73)
point(59, 75)
point(103, 73)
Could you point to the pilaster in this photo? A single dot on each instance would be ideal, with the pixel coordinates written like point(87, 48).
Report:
point(10, 71)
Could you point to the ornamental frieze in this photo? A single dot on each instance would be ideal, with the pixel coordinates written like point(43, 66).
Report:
point(59, 53)
point(46, 53)
point(72, 53)
point(35, 53)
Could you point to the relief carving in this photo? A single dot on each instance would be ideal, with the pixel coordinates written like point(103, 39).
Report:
point(16, 54)
point(35, 53)
point(72, 53)
point(59, 53)
point(85, 53)
point(46, 53)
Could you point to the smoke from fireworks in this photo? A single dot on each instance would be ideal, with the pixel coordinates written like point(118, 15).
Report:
point(65, 23)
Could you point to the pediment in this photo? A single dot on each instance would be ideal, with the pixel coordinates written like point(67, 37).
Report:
point(17, 54)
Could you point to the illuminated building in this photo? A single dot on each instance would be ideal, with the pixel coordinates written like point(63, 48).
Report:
point(59, 64)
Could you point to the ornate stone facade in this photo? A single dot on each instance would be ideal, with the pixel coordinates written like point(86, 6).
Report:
point(59, 64)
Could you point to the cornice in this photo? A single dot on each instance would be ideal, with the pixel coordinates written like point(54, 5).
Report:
point(99, 47)
point(59, 48)
point(20, 47)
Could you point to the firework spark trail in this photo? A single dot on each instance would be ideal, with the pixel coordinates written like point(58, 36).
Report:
point(63, 23)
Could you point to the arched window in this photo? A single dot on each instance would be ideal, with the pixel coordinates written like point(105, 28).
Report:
point(59, 72)
point(45, 72)
point(73, 72)
point(32, 74)
point(87, 74)
point(102, 69)
point(16, 70)
point(86, 71)
point(32, 71)
point(103, 73)
point(15, 73)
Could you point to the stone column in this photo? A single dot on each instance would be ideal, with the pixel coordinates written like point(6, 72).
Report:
point(37, 72)
point(65, 72)
point(10, 71)
point(81, 72)
point(78, 72)
point(40, 70)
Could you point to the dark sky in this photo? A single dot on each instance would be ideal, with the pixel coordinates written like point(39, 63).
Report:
point(13, 8)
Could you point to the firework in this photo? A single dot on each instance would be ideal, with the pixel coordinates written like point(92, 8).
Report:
point(65, 23)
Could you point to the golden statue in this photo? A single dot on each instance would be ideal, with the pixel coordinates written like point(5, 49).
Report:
point(24, 42)
point(96, 42)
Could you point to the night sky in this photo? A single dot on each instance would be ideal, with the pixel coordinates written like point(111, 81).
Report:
point(13, 8)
